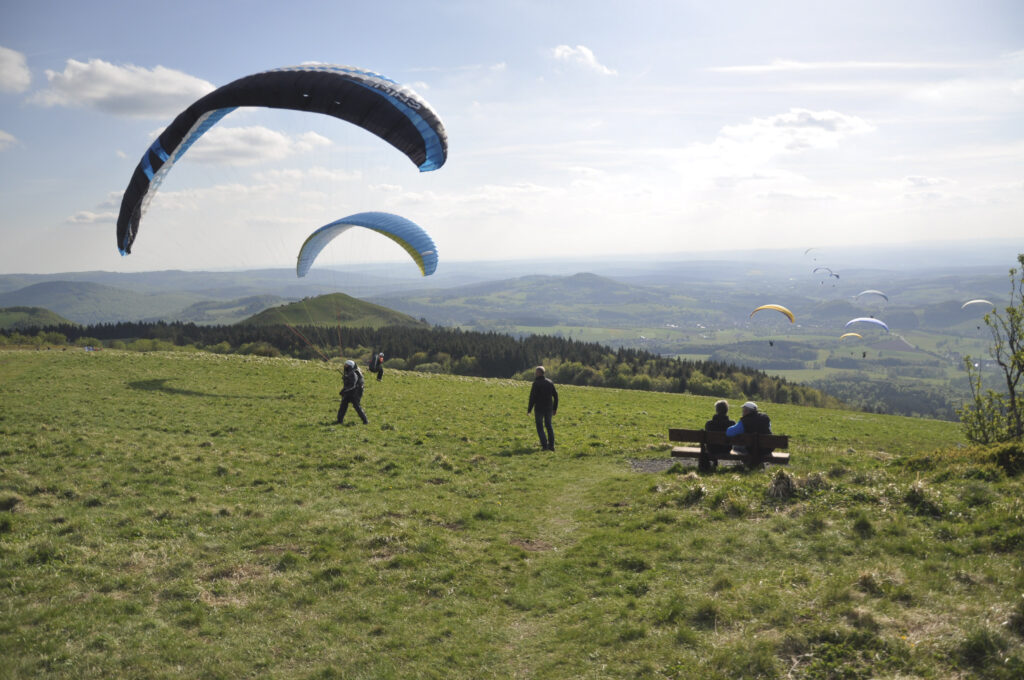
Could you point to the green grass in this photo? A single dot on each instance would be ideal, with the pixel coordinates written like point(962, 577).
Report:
point(196, 515)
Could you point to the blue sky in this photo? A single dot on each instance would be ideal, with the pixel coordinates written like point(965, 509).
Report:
point(575, 128)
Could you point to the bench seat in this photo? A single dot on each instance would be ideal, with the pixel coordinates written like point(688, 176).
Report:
point(704, 438)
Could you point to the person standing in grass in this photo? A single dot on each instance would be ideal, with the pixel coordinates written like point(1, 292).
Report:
point(544, 404)
point(379, 365)
point(352, 392)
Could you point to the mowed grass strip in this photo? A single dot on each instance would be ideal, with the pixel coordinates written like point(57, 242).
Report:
point(196, 515)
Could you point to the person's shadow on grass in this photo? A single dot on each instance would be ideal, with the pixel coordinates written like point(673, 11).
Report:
point(160, 385)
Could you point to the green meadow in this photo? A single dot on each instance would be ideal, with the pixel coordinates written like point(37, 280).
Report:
point(194, 515)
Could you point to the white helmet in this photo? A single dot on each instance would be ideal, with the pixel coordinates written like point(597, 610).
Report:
point(350, 364)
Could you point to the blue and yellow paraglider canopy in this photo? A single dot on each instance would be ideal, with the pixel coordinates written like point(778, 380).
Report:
point(377, 104)
point(404, 232)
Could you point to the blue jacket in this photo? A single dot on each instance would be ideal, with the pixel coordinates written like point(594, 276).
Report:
point(756, 423)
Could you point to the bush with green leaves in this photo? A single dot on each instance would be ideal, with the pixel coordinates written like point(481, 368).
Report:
point(991, 415)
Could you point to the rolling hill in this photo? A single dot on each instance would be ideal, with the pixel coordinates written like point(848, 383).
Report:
point(582, 299)
point(332, 310)
point(226, 312)
point(85, 302)
point(16, 318)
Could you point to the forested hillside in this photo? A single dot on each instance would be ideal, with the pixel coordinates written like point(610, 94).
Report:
point(450, 350)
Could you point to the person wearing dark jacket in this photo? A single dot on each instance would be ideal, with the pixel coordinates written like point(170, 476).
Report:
point(720, 422)
point(352, 392)
point(752, 422)
point(544, 404)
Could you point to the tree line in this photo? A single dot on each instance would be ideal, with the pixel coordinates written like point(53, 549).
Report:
point(448, 350)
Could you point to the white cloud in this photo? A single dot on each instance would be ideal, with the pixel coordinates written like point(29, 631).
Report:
point(319, 174)
point(7, 140)
point(789, 65)
point(121, 90)
point(385, 188)
point(90, 217)
point(582, 56)
point(14, 73)
point(253, 144)
point(797, 130)
point(795, 196)
point(985, 94)
point(920, 182)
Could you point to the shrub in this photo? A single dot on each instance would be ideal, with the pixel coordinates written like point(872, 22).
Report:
point(694, 494)
point(979, 648)
point(862, 526)
point(1009, 456)
point(782, 487)
point(8, 502)
point(1016, 621)
point(222, 347)
point(260, 349)
point(917, 498)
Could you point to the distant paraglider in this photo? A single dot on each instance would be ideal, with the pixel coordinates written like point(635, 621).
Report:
point(868, 319)
point(872, 291)
point(777, 308)
point(851, 335)
point(377, 104)
point(977, 302)
point(825, 269)
point(404, 232)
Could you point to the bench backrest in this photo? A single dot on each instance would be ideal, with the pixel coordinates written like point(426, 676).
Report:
point(752, 441)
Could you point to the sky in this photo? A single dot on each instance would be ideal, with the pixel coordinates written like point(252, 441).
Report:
point(575, 128)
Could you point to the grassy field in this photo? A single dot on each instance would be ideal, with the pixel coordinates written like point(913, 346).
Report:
point(191, 515)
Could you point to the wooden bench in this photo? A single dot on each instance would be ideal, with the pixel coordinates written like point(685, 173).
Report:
point(706, 460)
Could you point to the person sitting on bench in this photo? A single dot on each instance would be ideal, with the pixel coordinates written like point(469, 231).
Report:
point(720, 422)
point(752, 422)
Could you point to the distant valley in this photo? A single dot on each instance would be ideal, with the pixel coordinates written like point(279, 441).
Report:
point(698, 309)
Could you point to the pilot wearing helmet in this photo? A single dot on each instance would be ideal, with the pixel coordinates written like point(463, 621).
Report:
point(352, 392)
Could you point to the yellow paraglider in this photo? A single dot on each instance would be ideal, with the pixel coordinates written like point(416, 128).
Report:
point(777, 308)
point(851, 335)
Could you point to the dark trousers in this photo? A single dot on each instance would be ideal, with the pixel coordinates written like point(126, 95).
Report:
point(353, 397)
point(543, 419)
point(380, 374)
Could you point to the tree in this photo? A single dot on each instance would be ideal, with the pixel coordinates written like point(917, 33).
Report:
point(993, 416)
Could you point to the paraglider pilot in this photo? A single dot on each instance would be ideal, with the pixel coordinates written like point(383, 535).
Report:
point(544, 404)
point(380, 366)
point(352, 392)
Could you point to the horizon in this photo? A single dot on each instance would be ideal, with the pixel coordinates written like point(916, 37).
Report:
point(882, 256)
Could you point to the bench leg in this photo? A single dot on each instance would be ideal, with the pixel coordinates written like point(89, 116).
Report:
point(706, 463)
